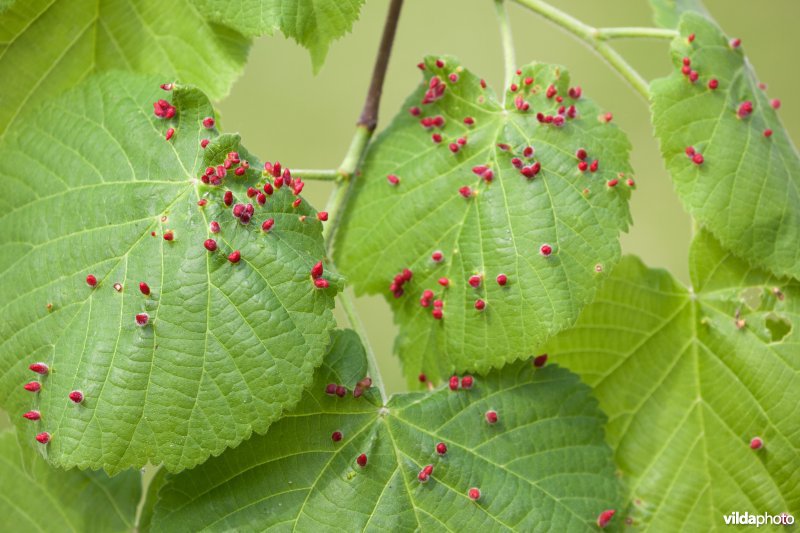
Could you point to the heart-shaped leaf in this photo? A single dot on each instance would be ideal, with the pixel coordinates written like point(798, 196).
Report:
point(543, 462)
point(226, 346)
point(37, 497)
point(734, 166)
point(314, 24)
point(688, 378)
point(51, 45)
point(548, 227)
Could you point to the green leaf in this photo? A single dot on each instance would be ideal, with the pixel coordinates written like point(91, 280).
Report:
point(314, 24)
point(544, 462)
point(667, 13)
point(228, 348)
point(498, 230)
point(747, 190)
point(36, 497)
point(686, 388)
point(51, 45)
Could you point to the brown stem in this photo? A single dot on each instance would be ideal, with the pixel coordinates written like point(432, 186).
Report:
point(369, 114)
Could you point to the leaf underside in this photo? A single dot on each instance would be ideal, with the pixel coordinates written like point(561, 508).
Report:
point(36, 497)
point(747, 190)
point(687, 385)
point(51, 45)
point(499, 230)
point(314, 24)
point(228, 346)
point(543, 466)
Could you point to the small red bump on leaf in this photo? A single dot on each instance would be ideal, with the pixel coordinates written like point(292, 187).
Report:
point(392, 179)
point(422, 378)
point(204, 143)
point(756, 443)
point(322, 216)
point(436, 137)
point(33, 386)
point(593, 167)
point(513, 88)
point(235, 256)
point(91, 280)
point(362, 460)
point(437, 313)
point(491, 417)
point(39, 368)
point(453, 383)
point(440, 63)
point(467, 382)
point(469, 121)
point(744, 109)
point(336, 436)
point(210, 245)
point(775, 103)
point(474, 281)
point(169, 235)
point(341, 391)
point(612, 182)
point(605, 517)
point(330, 389)
point(437, 256)
point(166, 86)
point(735, 43)
point(441, 448)
point(415, 111)
point(483, 83)
point(713, 83)
point(545, 250)
point(691, 37)
point(144, 288)
point(581, 154)
point(608, 117)
point(142, 319)
point(43, 437)
point(502, 279)
point(453, 77)
point(540, 360)
point(583, 166)
point(76, 396)
point(693, 76)
point(267, 224)
point(698, 159)
point(316, 270)
point(689, 151)
point(444, 282)
point(767, 132)
point(170, 133)
point(208, 122)
point(453, 148)
point(474, 494)
point(32, 415)
point(321, 283)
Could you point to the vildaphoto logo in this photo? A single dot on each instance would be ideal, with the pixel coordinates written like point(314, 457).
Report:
point(747, 519)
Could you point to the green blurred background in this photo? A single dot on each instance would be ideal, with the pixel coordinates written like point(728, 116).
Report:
point(284, 112)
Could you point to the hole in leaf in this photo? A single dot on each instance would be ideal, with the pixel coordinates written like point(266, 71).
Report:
point(751, 297)
point(778, 327)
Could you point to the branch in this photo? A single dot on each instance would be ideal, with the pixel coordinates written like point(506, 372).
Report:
point(337, 203)
point(316, 174)
point(635, 33)
point(508, 42)
point(369, 114)
point(593, 38)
